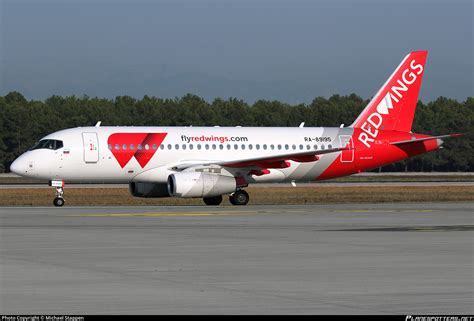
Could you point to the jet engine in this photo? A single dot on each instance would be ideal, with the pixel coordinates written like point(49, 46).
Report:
point(148, 190)
point(199, 184)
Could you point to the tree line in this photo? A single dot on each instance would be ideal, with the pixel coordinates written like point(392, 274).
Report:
point(23, 122)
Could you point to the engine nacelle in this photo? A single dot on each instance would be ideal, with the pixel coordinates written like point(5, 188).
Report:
point(138, 189)
point(199, 184)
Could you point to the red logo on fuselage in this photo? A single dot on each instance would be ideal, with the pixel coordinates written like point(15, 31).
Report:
point(142, 146)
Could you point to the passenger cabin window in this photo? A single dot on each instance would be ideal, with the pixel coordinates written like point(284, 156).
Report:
point(52, 144)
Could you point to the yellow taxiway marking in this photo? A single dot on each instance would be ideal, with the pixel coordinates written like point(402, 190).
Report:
point(161, 214)
point(382, 211)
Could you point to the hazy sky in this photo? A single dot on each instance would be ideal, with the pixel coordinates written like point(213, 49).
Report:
point(287, 50)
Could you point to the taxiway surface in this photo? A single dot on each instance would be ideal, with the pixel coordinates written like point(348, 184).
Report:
point(413, 258)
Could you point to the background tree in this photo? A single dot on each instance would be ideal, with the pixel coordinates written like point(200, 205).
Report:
point(23, 122)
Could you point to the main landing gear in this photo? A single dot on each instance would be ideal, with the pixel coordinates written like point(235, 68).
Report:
point(213, 201)
point(239, 197)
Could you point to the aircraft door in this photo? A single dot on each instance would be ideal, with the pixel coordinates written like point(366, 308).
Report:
point(91, 147)
point(347, 156)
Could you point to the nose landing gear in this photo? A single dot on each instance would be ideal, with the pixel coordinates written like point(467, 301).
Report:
point(59, 199)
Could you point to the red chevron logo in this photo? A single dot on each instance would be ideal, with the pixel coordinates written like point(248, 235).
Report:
point(142, 146)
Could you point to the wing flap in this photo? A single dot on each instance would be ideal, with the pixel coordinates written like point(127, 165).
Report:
point(277, 161)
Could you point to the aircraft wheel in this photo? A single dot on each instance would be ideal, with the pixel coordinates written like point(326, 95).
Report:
point(58, 201)
point(240, 197)
point(216, 200)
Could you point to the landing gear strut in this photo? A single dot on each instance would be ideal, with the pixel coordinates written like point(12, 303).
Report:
point(59, 199)
point(239, 197)
point(216, 200)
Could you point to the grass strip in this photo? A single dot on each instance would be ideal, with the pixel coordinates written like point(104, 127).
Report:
point(258, 195)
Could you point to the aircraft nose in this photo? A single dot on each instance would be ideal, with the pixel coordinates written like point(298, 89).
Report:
point(18, 166)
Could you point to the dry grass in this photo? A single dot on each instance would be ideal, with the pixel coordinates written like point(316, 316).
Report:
point(258, 195)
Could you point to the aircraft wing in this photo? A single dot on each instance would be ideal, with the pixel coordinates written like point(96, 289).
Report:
point(423, 139)
point(274, 161)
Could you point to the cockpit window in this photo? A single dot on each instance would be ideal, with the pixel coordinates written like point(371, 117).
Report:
point(48, 144)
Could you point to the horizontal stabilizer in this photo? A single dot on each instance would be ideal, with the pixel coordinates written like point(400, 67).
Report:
point(423, 139)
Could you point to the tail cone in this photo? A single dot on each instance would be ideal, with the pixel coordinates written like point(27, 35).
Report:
point(439, 142)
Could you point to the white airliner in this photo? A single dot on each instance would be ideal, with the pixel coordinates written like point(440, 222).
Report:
point(208, 162)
